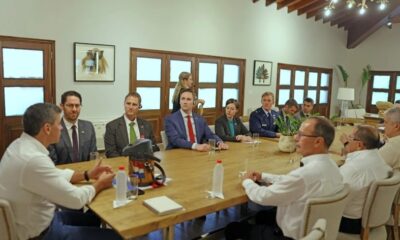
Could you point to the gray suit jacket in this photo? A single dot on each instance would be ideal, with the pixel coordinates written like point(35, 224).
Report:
point(116, 136)
point(61, 152)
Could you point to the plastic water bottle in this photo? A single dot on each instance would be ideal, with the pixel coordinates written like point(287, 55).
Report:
point(122, 186)
point(218, 178)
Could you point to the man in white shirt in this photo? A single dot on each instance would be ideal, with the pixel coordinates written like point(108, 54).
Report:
point(33, 185)
point(318, 177)
point(390, 151)
point(186, 129)
point(363, 166)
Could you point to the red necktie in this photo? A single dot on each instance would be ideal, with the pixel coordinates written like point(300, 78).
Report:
point(190, 128)
point(75, 147)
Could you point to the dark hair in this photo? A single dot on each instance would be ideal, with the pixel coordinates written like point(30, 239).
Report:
point(67, 94)
point(134, 94)
point(234, 101)
point(324, 128)
point(37, 115)
point(368, 135)
point(309, 100)
point(292, 103)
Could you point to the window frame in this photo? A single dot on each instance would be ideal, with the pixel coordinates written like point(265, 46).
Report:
point(371, 108)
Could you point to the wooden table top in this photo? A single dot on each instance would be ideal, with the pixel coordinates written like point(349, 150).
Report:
point(191, 174)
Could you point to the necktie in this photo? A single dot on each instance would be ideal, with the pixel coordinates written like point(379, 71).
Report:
point(190, 129)
point(75, 147)
point(132, 133)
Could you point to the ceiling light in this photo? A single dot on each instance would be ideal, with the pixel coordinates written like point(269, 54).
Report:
point(361, 5)
point(350, 3)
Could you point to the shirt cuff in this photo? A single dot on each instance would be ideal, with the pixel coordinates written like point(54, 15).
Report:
point(194, 145)
point(67, 174)
point(247, 182)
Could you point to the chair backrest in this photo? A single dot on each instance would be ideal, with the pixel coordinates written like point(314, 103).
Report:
point(317, 232)
point(8, 230)
point(330, 208)
point(164, 139)
point(247, 125)
point(377, 207)
point(212, 128)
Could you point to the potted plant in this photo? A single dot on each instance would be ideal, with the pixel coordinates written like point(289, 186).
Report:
point(287, 129)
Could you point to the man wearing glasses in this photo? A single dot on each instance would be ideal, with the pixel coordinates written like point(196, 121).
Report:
point(363, 166)
point(318, 177)
point(78, 138)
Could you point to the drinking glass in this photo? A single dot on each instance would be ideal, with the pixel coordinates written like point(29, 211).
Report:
point(93, 155)
point(211, 152)
point(256, 140)
point(133, 190)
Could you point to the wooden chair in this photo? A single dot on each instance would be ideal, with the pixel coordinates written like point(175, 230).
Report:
point(377, 209)
point(8, 230)
point(164, 139)
point(329, 208)
point(317, 232)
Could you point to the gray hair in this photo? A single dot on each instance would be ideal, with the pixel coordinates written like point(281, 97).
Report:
point(324, 128)
point(37, 115)
point(393, 114)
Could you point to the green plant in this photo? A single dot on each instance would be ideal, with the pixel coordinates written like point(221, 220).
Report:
point(365, 77)
point(344, 74)
point(289, 128)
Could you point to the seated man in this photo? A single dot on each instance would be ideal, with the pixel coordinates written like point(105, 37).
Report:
point(363, 166)
point(33, 185)
point(319, 177)
point(262, 120)
point(289, 110)
point(306, 108)
point(390, 151)
point(128, 128)
point(186, 129)
point(78, 138)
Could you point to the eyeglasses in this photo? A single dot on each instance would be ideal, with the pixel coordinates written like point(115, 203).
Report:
point(72, 105)
point(300, 134)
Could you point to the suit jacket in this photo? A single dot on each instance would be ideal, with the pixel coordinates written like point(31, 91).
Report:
point(222, 128)
point(176, 132)
point(116, 136)
point(61, 152)
point(262, 123)
point(300, 114)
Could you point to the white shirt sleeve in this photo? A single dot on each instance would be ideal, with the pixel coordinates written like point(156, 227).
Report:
point(41, 177)
point(285, 191)
point(270, 178)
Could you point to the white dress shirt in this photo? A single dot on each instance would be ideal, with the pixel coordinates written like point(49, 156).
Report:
point(184, 115)
point(318, 177)
point(390, 152)
point(360, 169)
point(33, 185)
point(135, 127)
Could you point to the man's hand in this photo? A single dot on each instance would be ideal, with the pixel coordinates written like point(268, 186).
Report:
point(278, 135)
point(98, 169)
point(202, 147)
point(104, 181)
point(344, 138)
point(243, 138)
point(223, 146)
point(252, 175)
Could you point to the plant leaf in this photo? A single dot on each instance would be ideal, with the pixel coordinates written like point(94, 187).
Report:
point(344, 74)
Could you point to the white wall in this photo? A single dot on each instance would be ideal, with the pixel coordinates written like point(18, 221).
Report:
point(230, 28)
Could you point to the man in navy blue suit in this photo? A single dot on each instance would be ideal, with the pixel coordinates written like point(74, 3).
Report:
point(263, 118)
point(186, 129)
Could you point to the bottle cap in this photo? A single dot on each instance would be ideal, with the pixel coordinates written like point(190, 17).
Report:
point(121, 168)
point(219, 161)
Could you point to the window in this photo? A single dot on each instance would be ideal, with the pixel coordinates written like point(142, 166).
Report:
point(27, 76)
point(154, 75)
point(384, 86)
point(299, 82)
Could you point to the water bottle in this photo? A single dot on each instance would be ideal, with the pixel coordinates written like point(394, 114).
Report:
point(218, 178)
point(122, 186)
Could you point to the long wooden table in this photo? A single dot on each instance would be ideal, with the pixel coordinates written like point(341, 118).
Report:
point(191, 174)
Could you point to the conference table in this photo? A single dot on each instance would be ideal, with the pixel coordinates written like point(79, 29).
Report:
point(191, 176)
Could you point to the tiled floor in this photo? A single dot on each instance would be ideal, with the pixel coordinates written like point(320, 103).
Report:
point(211, 228)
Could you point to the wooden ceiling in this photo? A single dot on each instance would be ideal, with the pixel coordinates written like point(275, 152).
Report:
point(358, 27)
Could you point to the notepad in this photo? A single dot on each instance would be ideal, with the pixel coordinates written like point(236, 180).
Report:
point(162, 205)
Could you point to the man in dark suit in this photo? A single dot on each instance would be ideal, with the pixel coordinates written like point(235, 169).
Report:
point(306, 108)
point(128, 128)
point(262, 119)
point(289, 110)
point(78, 138)
point(186, 129)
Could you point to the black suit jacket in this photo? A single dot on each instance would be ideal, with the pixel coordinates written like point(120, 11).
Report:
point(222, 128)
point(61, 152)
point(116, 136)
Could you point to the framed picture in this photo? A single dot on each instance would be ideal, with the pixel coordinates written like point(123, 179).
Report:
point(94, 62)
point(262, 73)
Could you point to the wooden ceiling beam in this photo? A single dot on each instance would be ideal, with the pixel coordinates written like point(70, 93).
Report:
point(340, 8)
point(300, 4)
point(314, 12)
point(269, 2)
point(254, 1)
point(284, 3)
point(364, 28)
point(315, 6)
point(338, 15)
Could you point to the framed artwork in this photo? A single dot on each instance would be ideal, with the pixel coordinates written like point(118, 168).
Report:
point(262, 73)
point(94, 62)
